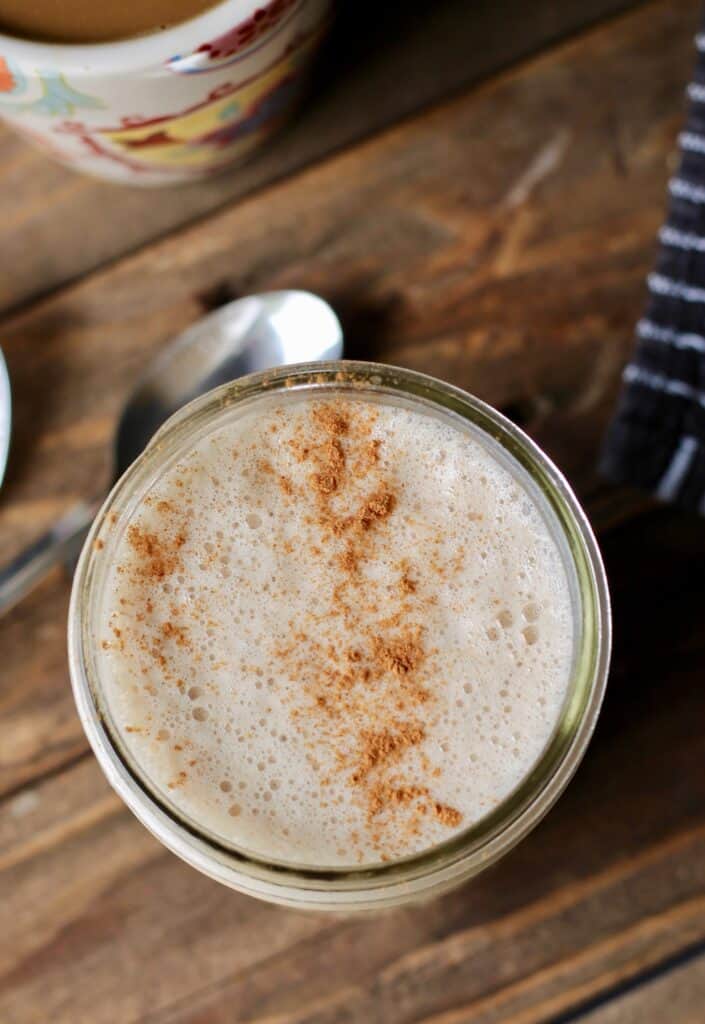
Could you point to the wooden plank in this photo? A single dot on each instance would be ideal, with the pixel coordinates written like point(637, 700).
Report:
point(106, 927)
point(443, 248)
point(677, 997)
point(384, 61)
point(38, 725)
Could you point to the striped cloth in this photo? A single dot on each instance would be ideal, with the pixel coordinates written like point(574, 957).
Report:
point(657, 438)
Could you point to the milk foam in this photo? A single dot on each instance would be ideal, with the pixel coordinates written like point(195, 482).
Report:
point(238, 632)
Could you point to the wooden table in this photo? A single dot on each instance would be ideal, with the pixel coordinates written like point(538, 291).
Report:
point(477, 190)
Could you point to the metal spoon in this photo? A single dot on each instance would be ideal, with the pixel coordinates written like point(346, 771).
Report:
point(251, 334)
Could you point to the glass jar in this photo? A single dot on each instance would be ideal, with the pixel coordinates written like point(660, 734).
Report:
point(468, 852)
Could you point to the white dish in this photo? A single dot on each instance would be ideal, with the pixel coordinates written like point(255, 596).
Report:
point(5, 415)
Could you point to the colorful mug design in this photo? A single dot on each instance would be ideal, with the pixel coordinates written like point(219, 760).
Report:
point(56, 98)
point(228, 122)
point(237, 41)
point(127, 112)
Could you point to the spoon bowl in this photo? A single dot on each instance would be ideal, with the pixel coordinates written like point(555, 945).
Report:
point(245, 336)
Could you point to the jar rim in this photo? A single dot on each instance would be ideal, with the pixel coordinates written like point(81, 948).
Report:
point(470, 850)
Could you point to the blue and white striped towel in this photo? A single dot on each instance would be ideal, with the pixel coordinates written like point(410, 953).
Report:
point(657, 438)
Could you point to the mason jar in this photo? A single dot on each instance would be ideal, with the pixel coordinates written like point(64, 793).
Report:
point(468, 852)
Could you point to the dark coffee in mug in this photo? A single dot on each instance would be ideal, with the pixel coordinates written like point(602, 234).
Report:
point(85, 21)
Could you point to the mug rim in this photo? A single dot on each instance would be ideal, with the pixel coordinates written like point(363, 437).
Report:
point(473, 849)
point(129, 51)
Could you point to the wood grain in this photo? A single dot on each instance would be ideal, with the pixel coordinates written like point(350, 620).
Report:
point(383, 62)
point(500, 241)
point(106, 927)
point(676, 996)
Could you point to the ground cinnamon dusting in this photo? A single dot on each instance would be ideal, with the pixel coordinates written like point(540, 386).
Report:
point(379, 506)
point(384, 746)
point(363, 658)
point(178, 633)
point(330, 419)
point(407, 583)
point(158, 556)
point(447, 815)
point(348, 559)
point(386, 674)
point(401, 654)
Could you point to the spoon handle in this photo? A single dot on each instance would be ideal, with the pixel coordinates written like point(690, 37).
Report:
point(62, 543)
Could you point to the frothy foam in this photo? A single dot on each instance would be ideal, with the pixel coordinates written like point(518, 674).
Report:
point(335, 631)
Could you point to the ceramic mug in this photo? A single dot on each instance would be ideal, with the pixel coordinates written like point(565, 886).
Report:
point(171, 106)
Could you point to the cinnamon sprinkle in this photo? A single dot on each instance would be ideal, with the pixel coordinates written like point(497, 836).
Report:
point(178, 633)
point(447, 815)
point(363, 692)
point(348, 559)
point(407, 584)
point(380, 747)
point(400, 655)
point(378, 507)
point(385, 795)
point(344, 462)
point(330, 419)
point(157, 557)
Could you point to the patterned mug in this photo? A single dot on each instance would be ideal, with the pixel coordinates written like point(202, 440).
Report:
point(172, 106)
